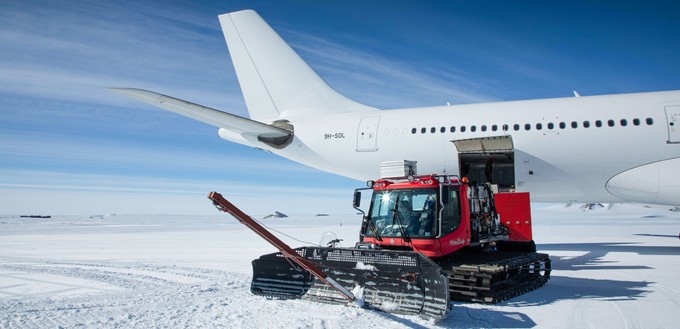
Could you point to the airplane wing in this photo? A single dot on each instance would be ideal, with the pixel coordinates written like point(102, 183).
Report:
point(233, 124)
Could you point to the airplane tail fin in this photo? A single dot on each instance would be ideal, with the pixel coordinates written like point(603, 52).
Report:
point(275, 81)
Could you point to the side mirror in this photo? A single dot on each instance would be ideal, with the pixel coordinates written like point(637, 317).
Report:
point(445, 195)
point(357, 199)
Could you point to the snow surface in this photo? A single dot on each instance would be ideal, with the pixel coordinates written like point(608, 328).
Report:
point(613, 268)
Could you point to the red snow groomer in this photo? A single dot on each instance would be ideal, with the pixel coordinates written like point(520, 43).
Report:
point(424, 241)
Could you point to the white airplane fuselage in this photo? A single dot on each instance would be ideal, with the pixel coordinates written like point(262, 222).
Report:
point(555, 164)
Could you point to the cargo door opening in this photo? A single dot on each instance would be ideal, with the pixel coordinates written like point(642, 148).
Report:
point(488, 159)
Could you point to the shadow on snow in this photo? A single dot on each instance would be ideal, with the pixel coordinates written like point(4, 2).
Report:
point(468, 317)
point(613, 247)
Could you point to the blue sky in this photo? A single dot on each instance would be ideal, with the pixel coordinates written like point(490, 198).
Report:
point(69, 146)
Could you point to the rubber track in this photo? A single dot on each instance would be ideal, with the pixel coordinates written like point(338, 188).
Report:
point(493, 277)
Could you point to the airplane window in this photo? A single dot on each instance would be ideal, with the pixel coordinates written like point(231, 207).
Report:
point(539, 126)
point(505, 127)
point(551, 125)
point(442, 129)
point(433, 130)
point(516, 127)
point(462, 129)
point(636, 121)
point(598, 123)
point(574, 124)
point(453, 129)
point(563, 125)
point(527, 126)
point(413, 131)
point(423, 130)
point(610, 123)
point(483, 128)
point(494, 127)
point(473, 128)
point(650, 121)
point(624, 122)
point(586, 124)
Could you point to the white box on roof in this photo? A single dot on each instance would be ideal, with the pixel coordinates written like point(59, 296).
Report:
point(399, 168)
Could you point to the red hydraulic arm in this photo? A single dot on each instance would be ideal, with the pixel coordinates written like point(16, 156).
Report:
point(223, 205)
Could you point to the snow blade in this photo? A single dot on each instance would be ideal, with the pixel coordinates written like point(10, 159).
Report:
point(401, 282)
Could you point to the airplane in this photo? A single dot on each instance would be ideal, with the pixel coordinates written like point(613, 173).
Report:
point(582, 149)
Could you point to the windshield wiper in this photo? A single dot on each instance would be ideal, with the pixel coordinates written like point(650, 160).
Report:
point(397, 215)
point(373, 229)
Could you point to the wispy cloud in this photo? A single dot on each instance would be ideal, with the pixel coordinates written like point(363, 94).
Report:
point(387, 81)
point(75, 53)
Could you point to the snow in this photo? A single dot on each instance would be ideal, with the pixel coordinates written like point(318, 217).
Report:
point(613, 268)
point(366, 267)
point(358, 293)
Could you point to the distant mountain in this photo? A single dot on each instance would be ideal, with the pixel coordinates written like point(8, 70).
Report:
point(276, 214)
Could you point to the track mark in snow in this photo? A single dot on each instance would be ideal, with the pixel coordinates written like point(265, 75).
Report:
point(323, 324)
point(147, 301)
point(579, 316)
point(669, 288)
point(623, 316)
point(147, 298)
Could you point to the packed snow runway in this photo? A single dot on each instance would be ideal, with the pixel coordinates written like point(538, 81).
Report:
point(613, 268)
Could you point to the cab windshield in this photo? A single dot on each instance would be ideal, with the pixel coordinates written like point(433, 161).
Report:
point(403, 213)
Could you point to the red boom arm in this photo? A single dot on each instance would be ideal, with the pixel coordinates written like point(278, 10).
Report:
point(223, 205)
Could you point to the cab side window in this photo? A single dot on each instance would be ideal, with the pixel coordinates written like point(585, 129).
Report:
point(451, 213)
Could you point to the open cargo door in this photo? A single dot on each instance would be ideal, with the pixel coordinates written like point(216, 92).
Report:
point(487, 159)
